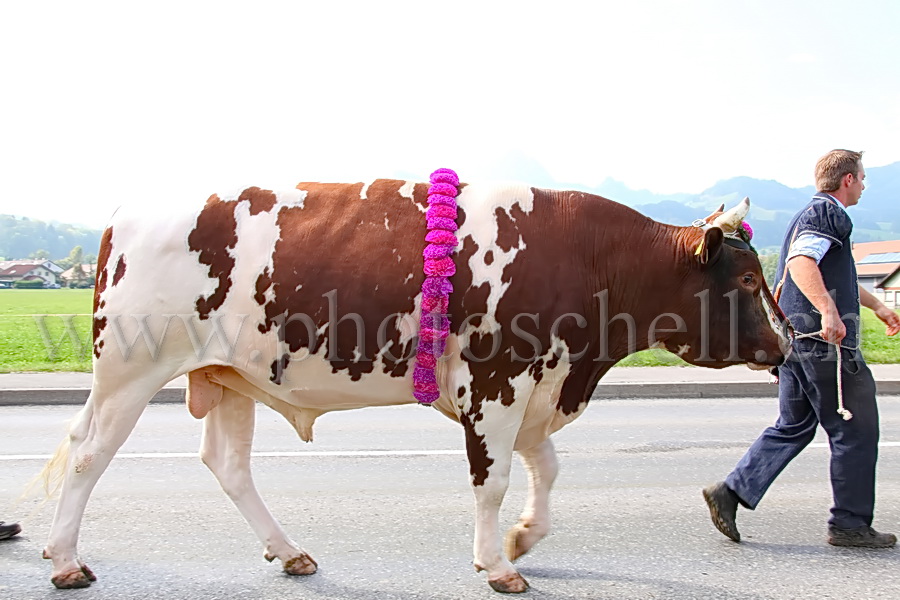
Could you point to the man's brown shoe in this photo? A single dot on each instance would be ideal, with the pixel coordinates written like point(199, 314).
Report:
point(723, 505)
point(864, 537)
point(8, 531)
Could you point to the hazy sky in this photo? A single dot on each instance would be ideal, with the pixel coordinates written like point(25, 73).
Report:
point(105, 103)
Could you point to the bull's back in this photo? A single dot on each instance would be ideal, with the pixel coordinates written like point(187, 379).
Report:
point(272, 260)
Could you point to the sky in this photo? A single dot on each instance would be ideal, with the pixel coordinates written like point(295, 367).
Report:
point(164, 103)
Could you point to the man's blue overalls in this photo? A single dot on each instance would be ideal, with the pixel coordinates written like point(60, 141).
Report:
point(808, 386)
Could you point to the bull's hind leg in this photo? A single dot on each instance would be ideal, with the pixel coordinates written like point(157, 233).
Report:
point(534, 523)
point(95, 436)
point(225, 449)
point(490, 437)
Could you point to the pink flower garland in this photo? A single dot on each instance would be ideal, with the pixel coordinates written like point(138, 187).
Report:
point(434, 325)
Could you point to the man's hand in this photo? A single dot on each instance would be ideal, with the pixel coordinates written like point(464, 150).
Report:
point(890, 319)
point(806, 275)
point(887, 316)
point(833, 329)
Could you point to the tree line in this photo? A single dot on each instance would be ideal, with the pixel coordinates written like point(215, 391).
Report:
point(21, 237)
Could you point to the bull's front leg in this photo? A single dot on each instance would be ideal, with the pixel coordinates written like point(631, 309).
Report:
point(491, 430)
point(534, 523)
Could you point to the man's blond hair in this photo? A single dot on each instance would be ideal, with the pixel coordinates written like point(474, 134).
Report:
point(831, 168)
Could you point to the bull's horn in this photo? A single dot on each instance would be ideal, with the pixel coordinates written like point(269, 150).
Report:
point(721, 208)
point(714, 213)
point(731, 220)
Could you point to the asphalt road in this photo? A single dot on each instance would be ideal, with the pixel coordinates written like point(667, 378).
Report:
point(386, 522)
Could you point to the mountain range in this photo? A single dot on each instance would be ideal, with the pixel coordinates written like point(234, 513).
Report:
point(773, 204)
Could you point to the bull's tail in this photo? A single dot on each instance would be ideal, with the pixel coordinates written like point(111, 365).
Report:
point(54, 471)
point(51, 476)
point(50, 479)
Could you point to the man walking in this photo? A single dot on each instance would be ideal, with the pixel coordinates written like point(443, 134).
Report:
point(819, 293)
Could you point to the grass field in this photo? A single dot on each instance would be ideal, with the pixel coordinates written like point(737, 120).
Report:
point(50, 330)
point(45, 330)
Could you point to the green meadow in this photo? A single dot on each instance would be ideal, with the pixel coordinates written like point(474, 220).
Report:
point(50, 330)
point(45, 330)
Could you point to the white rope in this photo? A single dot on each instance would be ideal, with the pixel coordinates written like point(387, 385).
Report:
point(845, 414)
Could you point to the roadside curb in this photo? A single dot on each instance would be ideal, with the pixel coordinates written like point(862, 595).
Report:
point(608, 391)
point(71, 396)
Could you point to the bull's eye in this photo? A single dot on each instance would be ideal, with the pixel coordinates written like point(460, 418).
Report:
point(748, 278)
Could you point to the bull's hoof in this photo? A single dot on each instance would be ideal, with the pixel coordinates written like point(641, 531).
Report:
point(73, 580)
point(87, 572)
point(509, 584)
point(301, 565)
point(514, 545)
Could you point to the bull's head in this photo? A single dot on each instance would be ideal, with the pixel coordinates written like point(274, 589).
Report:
point(738, 321)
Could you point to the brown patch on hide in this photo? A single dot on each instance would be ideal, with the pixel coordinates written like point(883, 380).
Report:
point(536, 371)
point(260, 200)
point(262, 284)
point(476, 450)
point(213, 236)
point(102, 260)
point(100, 286)
point(508, 226)
point(120, 270)
point(98, 326)
point(336, 256)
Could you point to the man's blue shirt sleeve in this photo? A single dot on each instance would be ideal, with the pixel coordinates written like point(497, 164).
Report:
point(809, 244)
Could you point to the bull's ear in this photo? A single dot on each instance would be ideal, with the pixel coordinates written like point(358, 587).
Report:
point(710, 246)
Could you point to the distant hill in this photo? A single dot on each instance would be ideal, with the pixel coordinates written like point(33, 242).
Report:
point(773, 205)
point(20, 237)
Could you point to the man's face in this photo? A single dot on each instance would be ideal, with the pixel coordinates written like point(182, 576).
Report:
point(856, 187)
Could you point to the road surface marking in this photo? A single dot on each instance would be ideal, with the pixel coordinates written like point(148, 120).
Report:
point(338, 453)
point(333, 453)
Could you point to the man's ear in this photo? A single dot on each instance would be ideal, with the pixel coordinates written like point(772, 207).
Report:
point(710, 246)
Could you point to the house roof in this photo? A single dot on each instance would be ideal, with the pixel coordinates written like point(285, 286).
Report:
point(882, 283)
point(47, 264)
point(877, 270)
point(18, 269)
point(877, 259)
point(880, 258)
point(861, 251)
point(87, 269)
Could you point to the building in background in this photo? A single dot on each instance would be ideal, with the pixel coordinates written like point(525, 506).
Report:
point(876, 267)
point(12, 271)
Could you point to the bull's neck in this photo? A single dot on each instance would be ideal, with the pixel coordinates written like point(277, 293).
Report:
point(640, 279)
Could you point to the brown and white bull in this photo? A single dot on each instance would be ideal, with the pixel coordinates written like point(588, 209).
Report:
point(314, 296)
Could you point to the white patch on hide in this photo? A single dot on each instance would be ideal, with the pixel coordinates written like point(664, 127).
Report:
point(480, 204)
point(406, 191)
